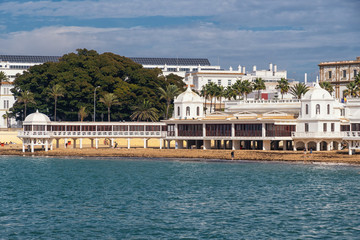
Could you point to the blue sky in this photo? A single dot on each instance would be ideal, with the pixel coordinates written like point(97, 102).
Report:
point(295, 35)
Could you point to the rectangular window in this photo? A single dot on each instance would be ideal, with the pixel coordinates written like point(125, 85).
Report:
point(6, 104)
point(229, 82)
point(219, 82)
point(344, 73)
point(306, 127)
point(324, 127)
point(355, 73)
point(209, 80)
point(332, 127)
point(330, 73)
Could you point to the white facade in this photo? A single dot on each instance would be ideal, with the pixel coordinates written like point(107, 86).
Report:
point(188, 105)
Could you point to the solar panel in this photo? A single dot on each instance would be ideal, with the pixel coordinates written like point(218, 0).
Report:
point(28, 59)
point(172, 61)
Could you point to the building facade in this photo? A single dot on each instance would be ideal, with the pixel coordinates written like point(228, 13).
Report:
point(339, 74)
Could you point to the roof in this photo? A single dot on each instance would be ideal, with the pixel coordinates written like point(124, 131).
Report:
point(317, 93)
point(172, 61)
point(188, 96)
point(37, 118)
point(28, 59)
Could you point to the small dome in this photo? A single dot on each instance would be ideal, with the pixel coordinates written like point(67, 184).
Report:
point(188, 96)
point(37, 118)
point(317, 93)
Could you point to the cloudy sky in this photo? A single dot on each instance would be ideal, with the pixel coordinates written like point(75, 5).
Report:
point(294, 34)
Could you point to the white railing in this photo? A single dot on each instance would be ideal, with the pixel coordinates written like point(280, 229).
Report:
point(80, 134)
point(262, 101)
point(316, 134)
point(351, 134)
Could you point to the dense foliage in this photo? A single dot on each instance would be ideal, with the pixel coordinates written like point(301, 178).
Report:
point(79, 73)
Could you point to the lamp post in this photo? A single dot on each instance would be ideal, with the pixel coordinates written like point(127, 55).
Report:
point(95, 102)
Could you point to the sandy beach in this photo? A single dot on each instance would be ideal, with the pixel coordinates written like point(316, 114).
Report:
point(193, 154)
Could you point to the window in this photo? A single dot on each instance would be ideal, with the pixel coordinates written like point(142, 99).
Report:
point(209, 80)
point(330, 73)
point(187, 111)
point(178, 111)
point(344, 73)
point(355, 73)
point(328, 109)
point(317, 108)
point(332, 127)
point(6, 104)
point(219, 82)
point(198, 111)
point(306, 127)
point(324, 127)
point(306, 109)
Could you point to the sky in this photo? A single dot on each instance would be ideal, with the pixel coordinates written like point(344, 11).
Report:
point(294, 35)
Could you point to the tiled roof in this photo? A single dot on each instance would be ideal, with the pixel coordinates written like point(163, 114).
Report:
point(28, 59)
point(172, 61)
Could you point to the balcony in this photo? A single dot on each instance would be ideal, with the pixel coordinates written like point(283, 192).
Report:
point(317, 135)
point(351, 135)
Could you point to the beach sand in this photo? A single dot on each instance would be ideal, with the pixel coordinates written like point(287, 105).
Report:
point(337, 157)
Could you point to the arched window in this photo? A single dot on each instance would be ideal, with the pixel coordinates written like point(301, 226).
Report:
point(187, 111)
point(306, 109)
point(328, 109)
point(178, 111)
point(317, 108)
point(198, 111)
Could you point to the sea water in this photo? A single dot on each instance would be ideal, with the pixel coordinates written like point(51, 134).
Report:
point(94, 198)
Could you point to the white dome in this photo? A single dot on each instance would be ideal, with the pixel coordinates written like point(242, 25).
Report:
point(317, 93)
point(188, 96)
point(37, 118)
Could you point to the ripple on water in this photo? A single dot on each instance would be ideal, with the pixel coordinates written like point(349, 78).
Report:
point(140, 199)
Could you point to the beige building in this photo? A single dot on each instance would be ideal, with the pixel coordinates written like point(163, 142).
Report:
point(339, 73)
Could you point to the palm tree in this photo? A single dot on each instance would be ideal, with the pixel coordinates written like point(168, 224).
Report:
point(169, 93)
point(6, 117)
point(327, 86)
point(220, 93)
point(83, 113)
point(351, 90)
point(283, 85)
point(56, 91)
point(26, 97)
point(259, 85)
point(246, 88)
point(298, 90)
point(230, 93)
point(144, 111)
point(3, 77)
point(211, 90)
point(237, 86)
point(204, 93)
point(109, 99)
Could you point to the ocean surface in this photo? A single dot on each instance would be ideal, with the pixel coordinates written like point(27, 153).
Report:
point(108, 198)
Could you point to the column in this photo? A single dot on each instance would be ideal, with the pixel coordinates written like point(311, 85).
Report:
point(46, 145)
point(233, 130)
point(96, 143)
point(168, 143)
point(329, 146)
point(74, 139)
point(57, 143)
point(23, 145)
point(128, 142)
point(284, 145)
point(51, 145)
point(207, 144)
point(92, 143)
point(266, 145)
point(180, 144)
point(317, 146)
point(32, 145)
point(145, 143)
point(339, 145)
point(81, 140)
point(161, 143)
point(236, 145)
point(112, 142)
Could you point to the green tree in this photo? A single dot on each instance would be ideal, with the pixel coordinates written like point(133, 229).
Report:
point(246, 88)
point(298, 90)
point(205, 94)
point(352, 89)
point(259, 85)
point(109, 99)
point(3, 77)
point(327, 86)
point(56, 91)
point(283, 86)
point(230, 93)
point(6, 117)
point(26, 97)
point(83, 113)
point(220, 94)
point(169, 93)
point(144, 112)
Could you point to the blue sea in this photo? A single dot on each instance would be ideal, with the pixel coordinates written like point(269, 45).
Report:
point(108, 198)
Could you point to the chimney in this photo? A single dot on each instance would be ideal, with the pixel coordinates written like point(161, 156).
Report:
point(305, 78)
point(243, 71)
point(270, 67)
point(254, 68)
point(275, 68)
point(230, 68)
point(239, 68)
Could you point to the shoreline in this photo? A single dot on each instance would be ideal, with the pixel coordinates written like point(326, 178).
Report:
point(197, 155)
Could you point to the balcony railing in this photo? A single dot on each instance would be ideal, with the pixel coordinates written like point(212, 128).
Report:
point(60, 134)
point(351, 134)
point(316, 134)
